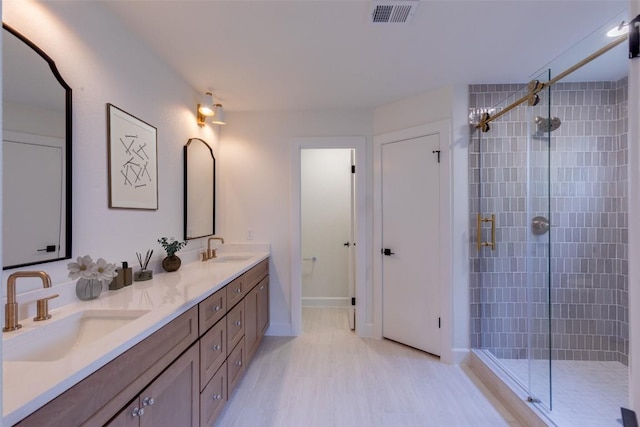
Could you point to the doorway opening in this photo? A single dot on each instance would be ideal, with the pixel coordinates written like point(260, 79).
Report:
point(328, 229)
point(327, 223)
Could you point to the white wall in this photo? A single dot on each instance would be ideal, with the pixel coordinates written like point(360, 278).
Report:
point(255, 179)
point(326, 225)
point(103, 63)
point(414, 111)
point(447, 103)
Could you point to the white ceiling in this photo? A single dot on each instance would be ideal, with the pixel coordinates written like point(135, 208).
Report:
point(322, 54)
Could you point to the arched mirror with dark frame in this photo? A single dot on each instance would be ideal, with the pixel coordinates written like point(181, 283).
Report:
point(199, 189)
point(37, 147)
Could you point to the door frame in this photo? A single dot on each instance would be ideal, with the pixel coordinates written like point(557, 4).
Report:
point(358, 144)
point(443, 128)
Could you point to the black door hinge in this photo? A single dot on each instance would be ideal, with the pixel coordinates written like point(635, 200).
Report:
point(353, 301)
point(353, 168)
point(439, 323)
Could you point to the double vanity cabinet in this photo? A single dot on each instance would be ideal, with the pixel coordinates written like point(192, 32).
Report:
point(182, 374)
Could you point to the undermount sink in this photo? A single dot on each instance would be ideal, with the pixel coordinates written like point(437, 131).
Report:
point(56, 338)
point(232, 258)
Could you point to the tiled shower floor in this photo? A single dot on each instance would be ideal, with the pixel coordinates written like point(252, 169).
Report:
point(585, 394)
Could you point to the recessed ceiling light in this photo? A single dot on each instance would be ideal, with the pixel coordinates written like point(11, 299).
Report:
point(618, 31)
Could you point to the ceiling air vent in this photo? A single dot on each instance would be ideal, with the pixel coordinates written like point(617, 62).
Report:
point(393, 12)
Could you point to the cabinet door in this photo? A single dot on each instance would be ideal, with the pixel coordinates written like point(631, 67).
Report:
point(213, 351)
point(173, 399)
point(128, 417)
point(251, 322)
point(235, 367)
point(235, 326)
point(213, 397)
point(263, 306)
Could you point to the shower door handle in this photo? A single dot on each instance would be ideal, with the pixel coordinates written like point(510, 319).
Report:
point(492, 243)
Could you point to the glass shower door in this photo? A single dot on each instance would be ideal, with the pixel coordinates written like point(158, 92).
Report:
point(509, 187)
point(538, 238)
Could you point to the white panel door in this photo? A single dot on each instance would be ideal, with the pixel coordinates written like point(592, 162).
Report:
point(32, 220)
point(410, 237)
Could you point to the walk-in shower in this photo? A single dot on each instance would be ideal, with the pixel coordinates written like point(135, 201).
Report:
point(549, 252)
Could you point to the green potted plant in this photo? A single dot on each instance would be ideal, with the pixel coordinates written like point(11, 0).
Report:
point(171, 262)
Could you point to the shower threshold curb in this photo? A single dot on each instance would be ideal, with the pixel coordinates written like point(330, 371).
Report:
point(509, 392)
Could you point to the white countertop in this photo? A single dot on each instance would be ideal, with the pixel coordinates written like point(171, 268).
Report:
point(28, 386)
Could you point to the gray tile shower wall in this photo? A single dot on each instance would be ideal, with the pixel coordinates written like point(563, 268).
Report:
point(587, 184)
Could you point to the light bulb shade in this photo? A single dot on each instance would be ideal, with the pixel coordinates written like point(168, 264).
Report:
point(218, 116)
point(205, 110)
point(206, 105)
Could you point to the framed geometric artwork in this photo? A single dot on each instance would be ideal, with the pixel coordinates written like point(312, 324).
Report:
point(133, 163)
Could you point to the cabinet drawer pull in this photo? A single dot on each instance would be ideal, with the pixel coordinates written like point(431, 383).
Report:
point(239, 363)
point(216, 308)
point(217, 397)
point(138, 412)
point(148, 401)
point(217, 347)
point(237, 323)
point(237, 291)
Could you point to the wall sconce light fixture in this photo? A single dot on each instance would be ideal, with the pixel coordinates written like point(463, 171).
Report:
point(205, 108)
point(208, 109)
point(218, 115)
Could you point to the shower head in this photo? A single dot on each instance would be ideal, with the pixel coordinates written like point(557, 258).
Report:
point(546, 124)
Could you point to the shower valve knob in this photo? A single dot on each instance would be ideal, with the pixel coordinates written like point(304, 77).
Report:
point(539, 225)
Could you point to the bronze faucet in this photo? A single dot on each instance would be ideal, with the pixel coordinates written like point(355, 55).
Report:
point(11, 308)
point(211, 253)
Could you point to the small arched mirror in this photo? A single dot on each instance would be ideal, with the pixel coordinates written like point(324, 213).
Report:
point(199, 189)
point(36, 192)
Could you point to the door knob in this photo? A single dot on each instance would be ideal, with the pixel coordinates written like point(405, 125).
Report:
point(387, 252)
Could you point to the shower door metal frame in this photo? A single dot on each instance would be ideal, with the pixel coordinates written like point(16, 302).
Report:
point(535, 86)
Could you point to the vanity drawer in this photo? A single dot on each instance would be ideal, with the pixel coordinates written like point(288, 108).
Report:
point(235, 291)
point(212, 309)
point(213, 397)
point(255, 275)
point(235, 326)
point(213, 352)
point(235, 367)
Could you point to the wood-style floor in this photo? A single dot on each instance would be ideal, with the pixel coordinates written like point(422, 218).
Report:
point(329, 377)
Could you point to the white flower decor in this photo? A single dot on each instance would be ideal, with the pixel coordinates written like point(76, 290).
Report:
point(85, 268)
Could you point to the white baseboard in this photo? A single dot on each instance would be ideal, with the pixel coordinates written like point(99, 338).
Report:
point(365, 331)
point(326, 302)
point(460, 356)
point(280, 330)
